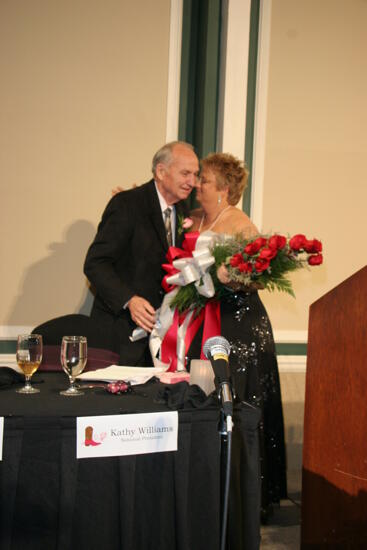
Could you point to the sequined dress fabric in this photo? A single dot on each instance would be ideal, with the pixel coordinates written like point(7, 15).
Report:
point(254, 370)
point(254, 367)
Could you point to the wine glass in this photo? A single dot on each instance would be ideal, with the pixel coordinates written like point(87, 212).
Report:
point(29, 357)
point(73, 359)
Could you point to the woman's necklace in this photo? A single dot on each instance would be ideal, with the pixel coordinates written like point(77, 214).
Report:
point(215, 219)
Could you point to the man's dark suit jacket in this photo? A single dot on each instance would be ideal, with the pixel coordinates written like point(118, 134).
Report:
point(124, 259)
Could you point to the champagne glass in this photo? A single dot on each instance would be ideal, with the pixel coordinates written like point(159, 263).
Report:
point(73, 360)
point(29, 357)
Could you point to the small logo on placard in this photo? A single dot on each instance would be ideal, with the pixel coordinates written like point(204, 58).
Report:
point(93, 441)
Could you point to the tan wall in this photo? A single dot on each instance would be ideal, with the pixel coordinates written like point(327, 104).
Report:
point(316, 142)
point(82, 109)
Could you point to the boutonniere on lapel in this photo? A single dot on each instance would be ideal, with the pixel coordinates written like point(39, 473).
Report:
point(184, 224)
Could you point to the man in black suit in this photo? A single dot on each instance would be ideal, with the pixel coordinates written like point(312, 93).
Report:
point(124, 261)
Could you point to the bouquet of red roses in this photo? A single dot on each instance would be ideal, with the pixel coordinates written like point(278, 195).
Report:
point(207, 268)
point(262, 262)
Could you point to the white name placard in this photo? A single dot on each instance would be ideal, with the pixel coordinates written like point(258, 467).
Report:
point(1, 436)
point(126, 434)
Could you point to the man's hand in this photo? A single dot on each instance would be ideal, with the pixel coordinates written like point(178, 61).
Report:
point(118, 189)
point(142, 313)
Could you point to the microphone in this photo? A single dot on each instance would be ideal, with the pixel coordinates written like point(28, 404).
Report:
point(217, 350)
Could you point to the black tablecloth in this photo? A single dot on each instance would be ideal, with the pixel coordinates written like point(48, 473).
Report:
point(166, 501)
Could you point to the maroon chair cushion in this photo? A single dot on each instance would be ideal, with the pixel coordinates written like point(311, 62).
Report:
point(97, 359)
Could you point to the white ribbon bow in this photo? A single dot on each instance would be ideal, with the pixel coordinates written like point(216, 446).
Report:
point(195, 269)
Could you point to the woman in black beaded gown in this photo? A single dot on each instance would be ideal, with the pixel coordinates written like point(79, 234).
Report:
point(244, 322)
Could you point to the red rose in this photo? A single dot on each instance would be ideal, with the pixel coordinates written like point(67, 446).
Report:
point(317, 245)
point(307, 246)
point(297, 242)
point(236, 260)
point(277, 242)
point(261, 265)
point(254, 247)
point(260, 242)
point(267, 253)
point(250, 249)
point(316, 259)
point(245, 267)
point(313, 246)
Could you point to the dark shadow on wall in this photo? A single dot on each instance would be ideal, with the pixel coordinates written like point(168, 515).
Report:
point(55, 285)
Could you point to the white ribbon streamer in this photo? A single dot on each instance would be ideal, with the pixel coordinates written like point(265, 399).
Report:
point(137, 334)
point(191, 270)
point(164, 320)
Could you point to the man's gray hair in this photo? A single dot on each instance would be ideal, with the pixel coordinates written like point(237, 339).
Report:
point(164, 154)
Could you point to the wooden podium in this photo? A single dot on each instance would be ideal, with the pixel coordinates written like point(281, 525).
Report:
point(334, 481)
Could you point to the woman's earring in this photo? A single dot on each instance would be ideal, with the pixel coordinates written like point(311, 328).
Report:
point(219, 199)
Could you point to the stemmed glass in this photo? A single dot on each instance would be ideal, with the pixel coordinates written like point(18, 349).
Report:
point(29, 357)
point(73, 359)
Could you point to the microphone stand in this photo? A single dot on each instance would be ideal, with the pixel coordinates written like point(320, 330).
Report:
point(225, 430)
point(217, 350)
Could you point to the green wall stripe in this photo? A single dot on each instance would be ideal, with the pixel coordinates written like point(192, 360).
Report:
point(251, 99)
point(200, 74)
point(199, 88)
point(188, 71)
point(9, 346)
point(291, 349)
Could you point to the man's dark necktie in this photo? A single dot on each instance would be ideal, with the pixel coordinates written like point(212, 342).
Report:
point(168, 226)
